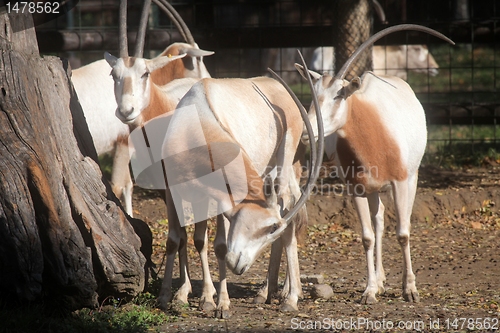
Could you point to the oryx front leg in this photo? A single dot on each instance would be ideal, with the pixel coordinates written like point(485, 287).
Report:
point(200, 210)
point(377, 216)
point(265, 294)
point(293, 273)
point(220, 247)
point(368, 238)
point(404, 195)
point(176, 242)
point(121, 181)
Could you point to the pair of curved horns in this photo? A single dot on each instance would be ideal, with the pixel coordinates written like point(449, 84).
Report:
point(141, 34)
point(316, 151)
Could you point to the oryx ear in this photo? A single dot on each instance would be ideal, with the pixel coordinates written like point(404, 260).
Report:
point(270, 191)
point(194, 51)
point(159, 62)
point(314, 75)
point(110, 59)
point(350, 88)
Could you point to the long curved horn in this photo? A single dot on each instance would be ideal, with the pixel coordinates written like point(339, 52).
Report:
point(316, 153)
point(177, 19)
point(123, 29)
point(343, 71)
point(141, 33)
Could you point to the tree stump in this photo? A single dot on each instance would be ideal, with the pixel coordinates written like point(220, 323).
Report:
point(63, 235)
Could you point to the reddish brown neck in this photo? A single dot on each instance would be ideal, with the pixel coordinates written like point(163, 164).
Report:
point(173, 70)
point(158, 104)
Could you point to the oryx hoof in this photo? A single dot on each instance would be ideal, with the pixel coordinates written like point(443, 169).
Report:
point(411, 296)
point(222, 314)
point(206, 306)
point(288, 308)
point(368, 299)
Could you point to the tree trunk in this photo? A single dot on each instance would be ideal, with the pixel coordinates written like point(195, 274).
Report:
point(354, 26)
point(63, 237)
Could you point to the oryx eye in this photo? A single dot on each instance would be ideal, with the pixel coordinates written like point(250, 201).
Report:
point(274, 227)
point(145, 75)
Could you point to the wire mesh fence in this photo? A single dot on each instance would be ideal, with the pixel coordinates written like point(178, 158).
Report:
point(460, 97)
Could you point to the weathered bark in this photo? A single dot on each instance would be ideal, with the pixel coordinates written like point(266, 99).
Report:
point(63, 237)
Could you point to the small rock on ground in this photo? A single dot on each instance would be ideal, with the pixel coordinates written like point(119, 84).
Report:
point(322, 291)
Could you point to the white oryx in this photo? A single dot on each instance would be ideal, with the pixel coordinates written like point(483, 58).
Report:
point(375, 129)
point(94, 87)
point(255, 122)
point(394, 60)
point(140, 100)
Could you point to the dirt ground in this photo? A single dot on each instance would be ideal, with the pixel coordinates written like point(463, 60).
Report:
point(455, 254)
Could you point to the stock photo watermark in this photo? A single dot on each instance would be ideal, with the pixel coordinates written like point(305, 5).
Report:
point(166, 155)
point(384, 325)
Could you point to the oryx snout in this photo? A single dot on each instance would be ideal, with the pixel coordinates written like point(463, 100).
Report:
point(237, 263)
point(126, 115)
point(126, 112)
point(129, 108)
point(248, 238)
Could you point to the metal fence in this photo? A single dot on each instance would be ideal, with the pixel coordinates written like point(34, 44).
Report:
point(462, 101)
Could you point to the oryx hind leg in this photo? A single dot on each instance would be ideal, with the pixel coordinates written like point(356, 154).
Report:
point(377, 209)
point(404, 195)
point(368, 238)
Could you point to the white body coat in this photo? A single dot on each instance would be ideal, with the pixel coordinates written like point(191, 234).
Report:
point(94, 87)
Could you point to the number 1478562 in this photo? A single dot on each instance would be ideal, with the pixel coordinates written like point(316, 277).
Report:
point(32, 7)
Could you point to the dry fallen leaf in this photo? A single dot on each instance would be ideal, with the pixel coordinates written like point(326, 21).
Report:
point(476, 225)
